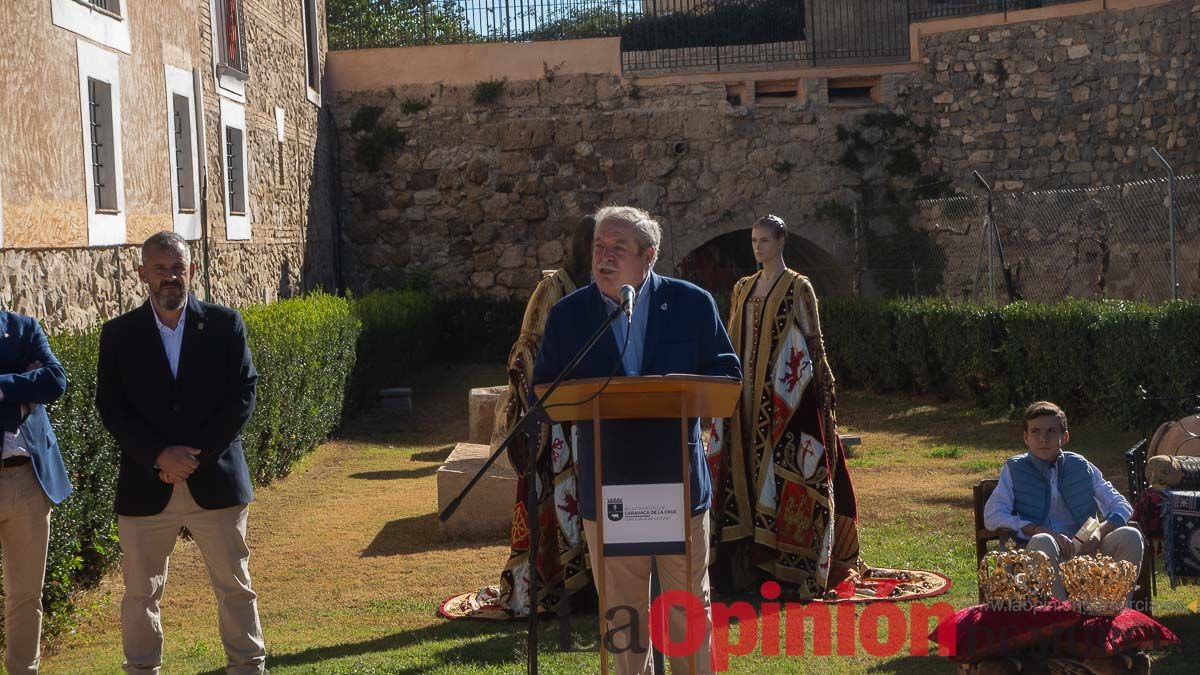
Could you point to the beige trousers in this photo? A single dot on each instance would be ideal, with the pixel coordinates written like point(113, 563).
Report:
point(627, 585)
point(1123, 543)
point(220, 534)
point(24, 539)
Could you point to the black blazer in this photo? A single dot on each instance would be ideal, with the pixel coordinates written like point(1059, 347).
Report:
point(205, 406)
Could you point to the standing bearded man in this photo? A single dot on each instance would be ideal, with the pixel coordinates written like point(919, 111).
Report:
point(175, 386)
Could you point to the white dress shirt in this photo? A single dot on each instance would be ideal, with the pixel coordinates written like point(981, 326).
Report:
point(172, 338)
point(14, 446)
point(998, 513)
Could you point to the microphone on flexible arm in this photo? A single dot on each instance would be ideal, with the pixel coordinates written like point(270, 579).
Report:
point(628, 297)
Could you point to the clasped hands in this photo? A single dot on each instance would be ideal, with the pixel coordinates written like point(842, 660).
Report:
point(177, 462)
point(1066, 544)
point(27, 408)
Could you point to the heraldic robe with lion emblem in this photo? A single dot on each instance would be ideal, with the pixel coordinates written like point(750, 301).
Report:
point(784, 507)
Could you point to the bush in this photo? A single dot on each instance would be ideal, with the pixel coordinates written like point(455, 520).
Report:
point(477, 329)
point(303, 350)
point(407, 328)
point(398, 334)
point(1088, 356)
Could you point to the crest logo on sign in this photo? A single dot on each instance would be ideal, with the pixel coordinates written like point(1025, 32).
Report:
point(616, 509)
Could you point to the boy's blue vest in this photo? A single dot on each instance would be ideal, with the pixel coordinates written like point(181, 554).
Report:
point(1031, 488)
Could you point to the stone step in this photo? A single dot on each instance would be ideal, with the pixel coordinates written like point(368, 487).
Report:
point(850, 443)
point(481, 413)
point(396, 398)
point(486, 513)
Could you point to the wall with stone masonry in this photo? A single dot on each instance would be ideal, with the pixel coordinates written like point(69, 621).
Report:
point(481, 197)
point(76, 288)
point(1064, 102)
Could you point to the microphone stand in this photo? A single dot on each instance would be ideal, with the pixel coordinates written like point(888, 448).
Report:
point(531, 512)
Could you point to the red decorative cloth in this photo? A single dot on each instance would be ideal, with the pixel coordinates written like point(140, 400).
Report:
point(1095, 637)
point(979, 633)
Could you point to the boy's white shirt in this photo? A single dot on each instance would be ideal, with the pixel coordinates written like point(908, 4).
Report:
point(998, 512)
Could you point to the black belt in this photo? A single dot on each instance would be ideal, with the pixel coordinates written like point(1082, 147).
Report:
point(15, 460)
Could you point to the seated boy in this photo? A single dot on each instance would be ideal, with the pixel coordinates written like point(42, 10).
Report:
point(1047, 494)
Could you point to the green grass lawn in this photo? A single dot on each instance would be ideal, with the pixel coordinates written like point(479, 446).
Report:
point(350, 568)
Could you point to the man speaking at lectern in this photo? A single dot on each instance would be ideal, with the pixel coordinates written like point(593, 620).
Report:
point(674, 329)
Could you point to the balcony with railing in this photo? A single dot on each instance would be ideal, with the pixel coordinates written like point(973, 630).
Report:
point(661, 35)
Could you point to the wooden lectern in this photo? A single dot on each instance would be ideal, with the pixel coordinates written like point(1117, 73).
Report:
point(653, 396)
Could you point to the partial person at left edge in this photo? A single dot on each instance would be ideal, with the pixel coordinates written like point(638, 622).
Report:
point(33, 480)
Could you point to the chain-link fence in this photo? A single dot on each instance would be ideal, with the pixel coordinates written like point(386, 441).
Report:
point(1096, 242)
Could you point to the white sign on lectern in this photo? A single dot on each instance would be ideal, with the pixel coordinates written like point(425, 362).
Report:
point(644, 519)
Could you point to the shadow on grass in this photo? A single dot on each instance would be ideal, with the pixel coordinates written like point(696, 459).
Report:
point(1183, 657)
point(397, 474)
point(914, 664)
point(415, 534)
point(464, 645)
point(955, 500)
point(438, 455)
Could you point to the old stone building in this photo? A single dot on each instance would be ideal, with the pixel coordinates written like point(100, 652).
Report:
point(125, 118)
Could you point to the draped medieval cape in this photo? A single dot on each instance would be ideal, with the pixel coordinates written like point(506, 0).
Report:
point(562, 558)
point(784, 488)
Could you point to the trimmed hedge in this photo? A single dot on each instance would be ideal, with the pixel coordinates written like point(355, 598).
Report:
point(406, 328)
point(304, 351)
point(398, 335)
point(1089, 356)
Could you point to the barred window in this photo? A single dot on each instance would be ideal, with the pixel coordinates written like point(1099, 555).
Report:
point(110, 6)
point(185, 180)
point(236, 169)
point(233, 44)
point(103, 149)
point(312, 46)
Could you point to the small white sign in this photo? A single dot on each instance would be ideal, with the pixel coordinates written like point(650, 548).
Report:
point(644, 519)
point(279, 113)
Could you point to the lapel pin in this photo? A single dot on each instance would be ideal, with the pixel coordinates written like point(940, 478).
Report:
point(201, 326)
point(664, 307)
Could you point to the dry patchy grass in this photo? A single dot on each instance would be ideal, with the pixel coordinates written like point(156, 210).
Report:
point(349, 566)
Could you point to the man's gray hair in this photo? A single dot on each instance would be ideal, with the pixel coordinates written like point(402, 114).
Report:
point(645, 227)
point(166, 241)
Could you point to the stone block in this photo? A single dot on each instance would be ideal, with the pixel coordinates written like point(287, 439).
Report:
point(396, 398)
point(486, 513)
point(481, 413)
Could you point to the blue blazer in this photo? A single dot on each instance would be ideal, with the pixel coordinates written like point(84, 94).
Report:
point(21, 343)
point(684, 335)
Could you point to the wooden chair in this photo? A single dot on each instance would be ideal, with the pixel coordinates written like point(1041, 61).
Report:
point(1141, 595)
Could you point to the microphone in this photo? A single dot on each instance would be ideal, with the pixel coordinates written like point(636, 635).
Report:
point(628, 297)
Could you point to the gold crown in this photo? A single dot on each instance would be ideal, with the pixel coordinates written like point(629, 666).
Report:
point(1016, 579)
point(1098, 584)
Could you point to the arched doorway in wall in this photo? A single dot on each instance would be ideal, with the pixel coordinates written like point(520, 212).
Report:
point(718, 263)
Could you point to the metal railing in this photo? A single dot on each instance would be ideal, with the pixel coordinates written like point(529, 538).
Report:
point(939, 9)
point(664, 34)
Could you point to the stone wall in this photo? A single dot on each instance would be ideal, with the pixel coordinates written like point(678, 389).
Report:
point(481, 196)
point(76, 288)
point(1064, 102)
